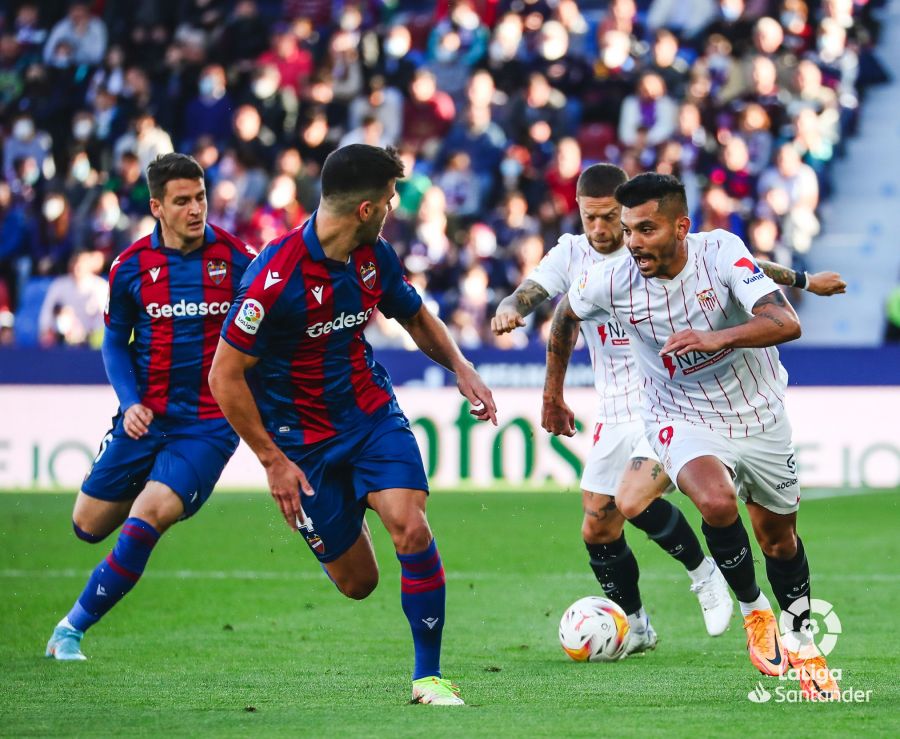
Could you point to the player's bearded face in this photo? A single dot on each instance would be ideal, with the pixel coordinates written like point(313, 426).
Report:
point(653, 238)
point(370, 228)
point(602, 222)
point(182, 212)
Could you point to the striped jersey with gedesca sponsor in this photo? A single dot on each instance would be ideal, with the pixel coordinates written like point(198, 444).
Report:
point(303, 314)
point(738, 392)
point(175, 304)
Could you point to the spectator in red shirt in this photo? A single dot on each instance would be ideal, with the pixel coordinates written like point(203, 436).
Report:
point(294, 63)
point(428, 114)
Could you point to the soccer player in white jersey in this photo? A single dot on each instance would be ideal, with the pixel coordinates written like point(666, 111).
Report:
point(620, 456)
point(704, 321)
point(621, 466)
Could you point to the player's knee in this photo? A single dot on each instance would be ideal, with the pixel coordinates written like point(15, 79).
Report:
point(719, 510)
point(360, 587)
point(630, 504)
point(596, 531)
point(84, 530)
point(414, 536)
point(779, 547)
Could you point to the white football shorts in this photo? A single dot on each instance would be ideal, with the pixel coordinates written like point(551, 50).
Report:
point(763, 466)
point(614, 445)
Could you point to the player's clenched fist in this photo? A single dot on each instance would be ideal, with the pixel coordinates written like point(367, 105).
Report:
point(505, 321)
point(137, 420)
point(557, 417)
point(826, 283)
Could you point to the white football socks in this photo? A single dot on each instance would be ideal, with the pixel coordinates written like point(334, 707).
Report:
point(703, 571)
point(760, 604)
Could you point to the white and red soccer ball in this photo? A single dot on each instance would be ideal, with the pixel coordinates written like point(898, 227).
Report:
point(593, 629)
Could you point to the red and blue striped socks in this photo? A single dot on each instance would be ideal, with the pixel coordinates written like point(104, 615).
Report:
point(423, 595)
point(115, 575)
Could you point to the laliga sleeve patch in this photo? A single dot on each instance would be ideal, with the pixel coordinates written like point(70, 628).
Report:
point(249, 316)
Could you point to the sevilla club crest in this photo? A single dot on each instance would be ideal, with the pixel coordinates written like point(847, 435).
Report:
point(217, 271)
point(707, 298)
point(368, 273)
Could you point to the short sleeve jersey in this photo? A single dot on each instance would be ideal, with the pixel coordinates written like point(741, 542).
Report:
point(175, 304)
point(738, 392)
point(303, 316)
point(616, 376)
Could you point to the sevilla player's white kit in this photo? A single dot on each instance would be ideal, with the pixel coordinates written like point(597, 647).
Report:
point(618, 430)
point(728, 404)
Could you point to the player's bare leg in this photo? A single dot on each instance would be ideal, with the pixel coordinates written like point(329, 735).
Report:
point(94, 519)
point(355, 572)
point(615, 566)
point(151, 513)
point(640, 498)
point(788, 572)
point(707, 482)
point(422, 588)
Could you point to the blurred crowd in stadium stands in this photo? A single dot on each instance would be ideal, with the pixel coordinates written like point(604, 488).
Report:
point(496, 106)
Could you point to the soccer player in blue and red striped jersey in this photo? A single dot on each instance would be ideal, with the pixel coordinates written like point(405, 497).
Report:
point(325, 420)
point(170, 291)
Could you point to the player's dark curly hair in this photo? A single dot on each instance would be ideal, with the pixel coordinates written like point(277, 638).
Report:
point(358, 172)
point(663, 188)
point(600, 181)
point(167, 167)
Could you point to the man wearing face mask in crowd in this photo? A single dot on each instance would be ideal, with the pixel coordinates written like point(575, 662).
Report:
point(210, 112)
point(25, 142)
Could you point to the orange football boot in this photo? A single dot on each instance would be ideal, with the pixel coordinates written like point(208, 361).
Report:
point(816, 681)
point(767, 653)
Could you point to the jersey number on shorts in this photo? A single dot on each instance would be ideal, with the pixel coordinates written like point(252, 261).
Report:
point(665, 435)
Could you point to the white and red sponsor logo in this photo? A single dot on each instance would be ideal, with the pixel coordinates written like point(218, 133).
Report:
point(341, 322)
point(184, 308)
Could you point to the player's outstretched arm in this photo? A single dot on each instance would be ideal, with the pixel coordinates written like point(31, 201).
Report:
point(774, 322)
point(556, 416)
point(513, 308)
point(228, 383)
point(818, 283)
point(433, 338)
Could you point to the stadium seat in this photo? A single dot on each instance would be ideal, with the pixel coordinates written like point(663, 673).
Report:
point(596, 140)
point(29, 310)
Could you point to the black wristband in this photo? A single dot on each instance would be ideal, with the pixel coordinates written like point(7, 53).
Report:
point(801, 279)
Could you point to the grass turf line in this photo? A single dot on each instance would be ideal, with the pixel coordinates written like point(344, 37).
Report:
point(188, 655)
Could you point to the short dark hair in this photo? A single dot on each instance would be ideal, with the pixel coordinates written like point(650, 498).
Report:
point(167, 167)
point(600, 181)
point(359, 172)
point(665, 189)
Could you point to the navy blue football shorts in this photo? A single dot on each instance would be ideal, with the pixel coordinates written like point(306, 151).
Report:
point(188, 456)
point(344, 469)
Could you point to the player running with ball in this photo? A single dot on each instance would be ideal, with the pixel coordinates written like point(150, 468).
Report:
point(326, 420)
point(704, 320)
point(622, 476)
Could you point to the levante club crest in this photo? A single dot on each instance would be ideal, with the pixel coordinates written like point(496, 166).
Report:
point(368, 273)
point(217, 270)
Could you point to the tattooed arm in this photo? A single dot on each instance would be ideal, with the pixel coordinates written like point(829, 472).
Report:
point(774, 322)
point(819, 283)
point(513, 308)
point(556, 416)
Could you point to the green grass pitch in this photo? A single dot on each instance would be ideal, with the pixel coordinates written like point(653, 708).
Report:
point(235, 631)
